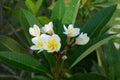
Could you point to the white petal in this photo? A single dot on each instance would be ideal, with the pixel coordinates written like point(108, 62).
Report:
point(35, 40)
point(50, 24)
point(35, 27)
point(34, 48)
point(82, 39)
point(66, 32)
point(40, 50)
point(48, 28)
point(56, 37)
point(77, 31)
point(31, 31)
point(70, 26)
point(65, 28)
point(81, 35)
point(59, 46)
point(35, 30)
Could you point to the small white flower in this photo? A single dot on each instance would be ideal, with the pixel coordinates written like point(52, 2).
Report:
point(39, 43)
point(48, 28)
point(82, 39)
point(53, 43)
point(71, 31)
point(34, 31)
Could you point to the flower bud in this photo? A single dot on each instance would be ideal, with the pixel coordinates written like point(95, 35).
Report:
point(64, 57)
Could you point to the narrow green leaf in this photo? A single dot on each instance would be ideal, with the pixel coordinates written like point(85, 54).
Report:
point(88, 76)
point(71, 13)
point(22, 61)
point(58, 10)
point(33, 7)
point(27, 20)
point(12, 45)
point(30, 5)
point(96, 23)
point(37, 5)
point(80, 52)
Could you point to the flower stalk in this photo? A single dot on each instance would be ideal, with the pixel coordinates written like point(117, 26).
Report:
point(57, 72)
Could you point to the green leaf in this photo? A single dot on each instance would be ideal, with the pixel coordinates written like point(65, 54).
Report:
point(71, 13)
point(89, 76)
point(27, 20)
point(80, 52)
point(34, 7)
point(30, 5)
point(57, 16)
point(22, 61)
point(96, 23)
point(43, 20)
point(51, 59)
point(58, 10)
point(112, 65)
point(37, 5)
point(12, 45)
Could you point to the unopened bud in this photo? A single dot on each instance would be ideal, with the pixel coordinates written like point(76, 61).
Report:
point(64, 57)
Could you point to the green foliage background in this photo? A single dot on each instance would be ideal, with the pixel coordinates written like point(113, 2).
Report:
point(89, 62)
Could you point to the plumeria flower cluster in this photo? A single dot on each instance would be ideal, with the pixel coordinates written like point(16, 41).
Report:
point(46, 39)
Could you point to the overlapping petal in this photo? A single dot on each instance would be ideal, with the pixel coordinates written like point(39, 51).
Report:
point(53, 43)
point(48, 28)
point(34, 31)
point(39, 43)
point(82, 39)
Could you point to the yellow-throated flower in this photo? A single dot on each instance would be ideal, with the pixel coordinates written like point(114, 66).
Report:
point(48, 28)
point(53, 43)
point(39, 43)
point(82, 39)
point(71, 31)
point(34, 31)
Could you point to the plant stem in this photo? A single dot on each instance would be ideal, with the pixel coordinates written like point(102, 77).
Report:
point(57, 66)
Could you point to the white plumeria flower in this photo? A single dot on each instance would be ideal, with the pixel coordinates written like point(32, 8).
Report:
point(53, 43)
point(48, 28)
point(39, 43)
point(34, 31)
point(82, 39)
point(71, 31)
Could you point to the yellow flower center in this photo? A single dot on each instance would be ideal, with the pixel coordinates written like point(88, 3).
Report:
point(52, 44)
point(71, 32)
point(39, 44)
